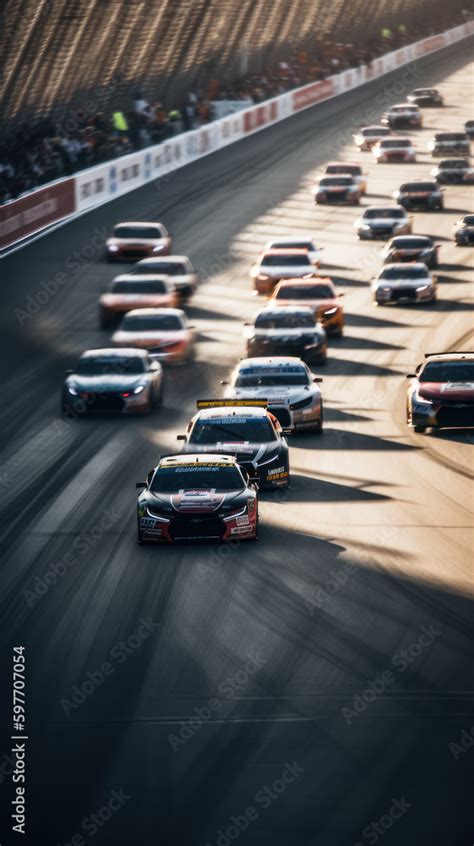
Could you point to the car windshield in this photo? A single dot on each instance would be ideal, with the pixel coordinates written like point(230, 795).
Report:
point(413, 187)
point(197, 477)
point(233, 429)
point(153, 323)
point(257, 378)
point(397, 142)
point(453, 164)
point(336, 180)
point(287, 260)
point(167, 268)
point(377, 131)
point(404, 272)
point(110, 365)
point(152, 287)
point(450, 136)
point(413, 244)
point(343, 168)
point(448, 371)
point(137, 232)
point(301, 245)
point(468, 220)
point(304, 292)
point(374, 214)
point(285, 321)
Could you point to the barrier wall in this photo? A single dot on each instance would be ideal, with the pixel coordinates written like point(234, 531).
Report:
point(62, 200)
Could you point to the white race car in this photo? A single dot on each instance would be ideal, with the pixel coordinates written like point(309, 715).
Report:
point(404, 282)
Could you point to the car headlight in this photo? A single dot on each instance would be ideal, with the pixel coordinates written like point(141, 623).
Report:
point(159, 518)
point(423, 287)
point(365, 226)
point(421, 400)
point(113, 248)
point(294, 406)
point(272, 458)
point(72, 390)
point(262, 277)
point(330, 312)
point(139, 389)
point(236, 512)
point(158, 248)
point(385, 289)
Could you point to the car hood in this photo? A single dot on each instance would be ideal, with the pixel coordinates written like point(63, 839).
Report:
point(403, 283)
point(102, 384)
point(193, 501)
point(243, 450)
point(382, 221)
point(283, 334)
point(144, 340)
point(401, 251)
point(320, 305)
point(130, 242)
point(132, 301)
point(285, 270)
point(278, 395)
point(450, 391)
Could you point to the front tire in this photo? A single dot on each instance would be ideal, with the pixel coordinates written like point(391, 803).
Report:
point(419, 429)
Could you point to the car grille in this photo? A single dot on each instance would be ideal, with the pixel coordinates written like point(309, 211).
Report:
point(136, 253)
point(456, 415)
point(337, 197)
point(403, 294)
point(196, 528)
point(104, 402)
point(396, 157)
point(417, 201)
point(282, 415)
point(381, 231)
point(468, 236)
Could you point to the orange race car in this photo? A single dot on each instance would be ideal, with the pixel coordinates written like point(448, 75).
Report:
point(131, 241)
point(317, 293)
point(273, 265)
point(128, 291)
point(164, 332)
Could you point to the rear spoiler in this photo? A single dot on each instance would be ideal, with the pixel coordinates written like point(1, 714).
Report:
point(226, 403)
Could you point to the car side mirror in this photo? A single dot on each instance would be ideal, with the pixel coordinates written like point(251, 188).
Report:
point(340, 294)
point(223, 382)
point(411, 376)
point(244, 324)
point(140, 484)
point(180, 437)
point(317, 379)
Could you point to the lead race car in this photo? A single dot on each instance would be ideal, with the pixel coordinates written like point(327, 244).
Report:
point(243, 428)
point(441, 393)
point(286, 382)
point(197, 498)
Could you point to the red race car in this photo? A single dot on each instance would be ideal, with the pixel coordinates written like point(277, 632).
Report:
point(131, 241)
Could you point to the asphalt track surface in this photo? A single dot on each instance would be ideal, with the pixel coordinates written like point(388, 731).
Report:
point(360, 586)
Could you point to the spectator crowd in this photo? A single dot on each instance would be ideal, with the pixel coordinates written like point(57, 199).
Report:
point(40, 152)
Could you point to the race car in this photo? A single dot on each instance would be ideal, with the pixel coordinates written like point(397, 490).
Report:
point(383, 222)
point(164, 332)
point(178, 268)
point(124, 381)
point(128, 292)
point(449, 144)
point(245, 429)
point(287, 331)
point(394, 149)
point(288, 386)
point(464, 230)
point(273, 265)
point(337, 189)
point(131, 241)
point(367, 136)
point(403, 115)
point(441, 393)
point(419, 195)
point(197, 498)
point(469, 128)
point(355, 170)
point(411, 248)
point(319, 294)
point(426, 97)
point(405, 282)
point(453, 172)
point(297, 242)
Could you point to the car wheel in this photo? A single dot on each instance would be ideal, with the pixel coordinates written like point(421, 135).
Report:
point(419, 429)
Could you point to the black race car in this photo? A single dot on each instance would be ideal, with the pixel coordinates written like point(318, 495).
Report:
point(197, 498)
point(243, 428)
point(464, 230)
point(469, 128)
point(419, 195)
point(293, 330)
point(411, 248)
point(453, 172)
point(125, 381)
